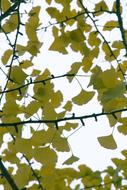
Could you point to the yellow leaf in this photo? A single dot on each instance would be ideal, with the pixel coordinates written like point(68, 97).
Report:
point(5, 5)
point(45, 155)
point(69, 126)
point(31, 108)
point(109, 78)
point(110, 25)
point(25, 64)
point(87, 63)
point(83, 97)
point(60, 44)
point(60, 143)
point(71, 160)
point(77, 35)
point(17, 75)
point(93, 40)
point(23, 175)
point(11, 24)
point(68, 106)
point(100, 6)
point(6, 56)
point(107, 142)
point(33, 47)
point(74, 69)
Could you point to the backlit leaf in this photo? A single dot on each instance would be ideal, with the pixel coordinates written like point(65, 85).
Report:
point(83, 97)
point(18, 75)
point(107, 142)
point(6, 56)
point(71, 160)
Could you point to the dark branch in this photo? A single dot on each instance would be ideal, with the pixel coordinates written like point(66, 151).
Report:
point(120, 22)
point(8, 176)
point(73, 117)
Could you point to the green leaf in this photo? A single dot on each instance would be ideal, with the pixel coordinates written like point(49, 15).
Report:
point(107, 142)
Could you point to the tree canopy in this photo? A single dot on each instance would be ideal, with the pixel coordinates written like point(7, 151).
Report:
point(35, 115)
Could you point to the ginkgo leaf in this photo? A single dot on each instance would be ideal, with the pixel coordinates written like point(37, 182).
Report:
point(110, 25)
point(71, 160)
point(60, 143)
point(109, 78)
point(6, 56)
point(68, 106)
point(123, 129)
point(107, 142)
point(18, 75)
point(42, 155)
point(83, 97)
point(100, 6)
point(69, 126)
point(5, 5)
point(74, 69)
point(11, 24)
point(26, 64)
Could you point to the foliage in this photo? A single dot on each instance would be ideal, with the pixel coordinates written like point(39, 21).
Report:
point(30, 102)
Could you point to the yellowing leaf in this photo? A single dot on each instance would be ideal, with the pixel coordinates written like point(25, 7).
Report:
point(23, 175)
point(100, 6)
point(83, 97)
point(5, 5)
point(93, 40)
point(74, 69)
point(33, 47)
point(11, 24)
point(60, 44)
point(68, 106)
point(26, 64)
point(107, 142)
point(17, 75)
point(69, 126)
point(110, 25)
point(71, 160)
point(6, 56)
point(45, 155)
point(60, 143)
point(87, 63)
point(109, 78)
point(31, 108)
point(77, 35)
point(123, 129)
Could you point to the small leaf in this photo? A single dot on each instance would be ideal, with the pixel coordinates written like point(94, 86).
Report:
point(110, 25)
point(17, 75)
point(71, 160)
point(83, 97)
point(6, 56)
point(107, 142)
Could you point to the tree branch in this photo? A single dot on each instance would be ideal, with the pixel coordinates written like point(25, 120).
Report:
point(120, 21)
point(8, 176)
point(73, 117)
